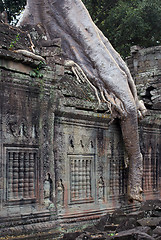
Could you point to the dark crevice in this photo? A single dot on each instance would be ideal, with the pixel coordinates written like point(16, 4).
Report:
point(148, 94)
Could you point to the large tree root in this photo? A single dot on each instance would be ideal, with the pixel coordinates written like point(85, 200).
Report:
point(135, 179)
point(94, 60)
point(117, 109)
point(80, 75)
point(114, 104)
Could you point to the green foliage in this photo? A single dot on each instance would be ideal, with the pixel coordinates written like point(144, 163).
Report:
point(134, 23)
point(13, 8)
point(36, 71)
point(12, 44)
point(124, 22)
point(112, 234)
point(99, 9)
point(128, 22)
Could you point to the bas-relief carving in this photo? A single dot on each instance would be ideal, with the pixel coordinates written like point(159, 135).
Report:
point(151, 161)
point(103, 146)
point(101, 189)
point(78, 165)
point(21, 128)
point(81, 169)
point(81, 144)
point(60, 194)
point(87, 47)
point(48, 191)
point(20, 132)
point(19, 115)
point(86, 145)
point(22, 172)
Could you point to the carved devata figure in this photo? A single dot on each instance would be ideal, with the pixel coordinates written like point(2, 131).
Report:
point(92, 55)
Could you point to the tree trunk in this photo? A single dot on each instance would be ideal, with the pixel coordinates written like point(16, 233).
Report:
point(85, 44)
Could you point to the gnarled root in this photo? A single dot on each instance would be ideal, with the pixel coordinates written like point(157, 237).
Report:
point(135, 194)
point(32, 45)
point(141, 109)
point(80, 75)
point(29, 54)
point(115, 105)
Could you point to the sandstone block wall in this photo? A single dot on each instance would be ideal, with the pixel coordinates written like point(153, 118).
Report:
point(145, 66)
point(60, 159)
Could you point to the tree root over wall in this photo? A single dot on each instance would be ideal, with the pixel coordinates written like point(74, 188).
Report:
point(95, 60)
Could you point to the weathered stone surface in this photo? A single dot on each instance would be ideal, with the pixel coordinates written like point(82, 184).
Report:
point(156, 213)
point(8, 38)
point(157, 231)
point(145, 66)
point(102, 222)
point(129, 223)
point(94, 236)
point(151, 221)
point(51, 127)
point(136, 215)
point(92, 58)
point(71, 236)
point(109, 228)
point(151, 205)
point(132, 234)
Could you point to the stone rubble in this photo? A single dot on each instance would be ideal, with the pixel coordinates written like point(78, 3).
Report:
point(144, 224)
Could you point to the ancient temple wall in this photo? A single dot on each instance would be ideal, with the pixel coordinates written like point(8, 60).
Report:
point(26, 151)
point(90, 167)
point(60, 159)
point(151, 146)
point(145, 66)
point(57, 160)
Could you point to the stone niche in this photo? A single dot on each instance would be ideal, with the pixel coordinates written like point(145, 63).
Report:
point(61, 158)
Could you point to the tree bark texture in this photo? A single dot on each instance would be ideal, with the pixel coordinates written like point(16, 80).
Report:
point(86, 45)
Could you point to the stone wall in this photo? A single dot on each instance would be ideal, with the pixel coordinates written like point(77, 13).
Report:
point(145, 66)
point(61, 158)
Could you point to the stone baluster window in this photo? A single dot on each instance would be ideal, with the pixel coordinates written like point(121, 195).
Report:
point(81, 178)
point(21, 173)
